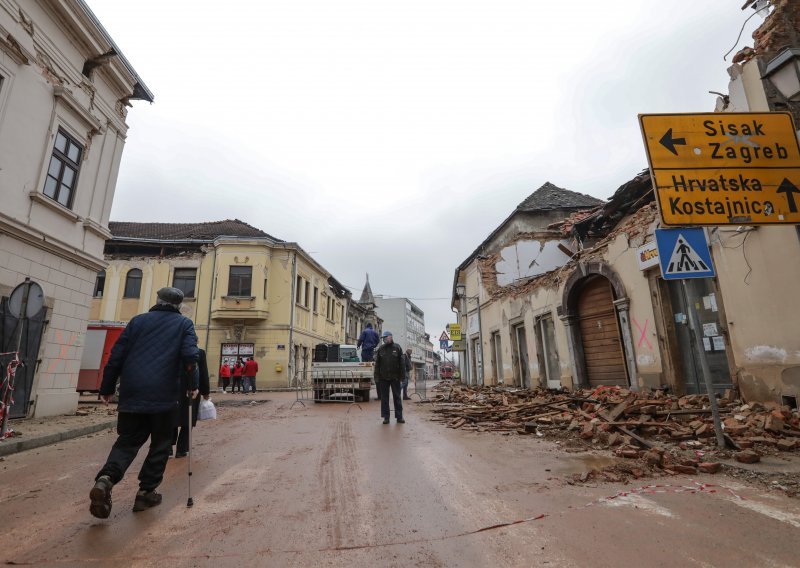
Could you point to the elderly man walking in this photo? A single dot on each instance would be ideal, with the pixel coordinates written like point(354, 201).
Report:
point(389, 372)
point(149, 357)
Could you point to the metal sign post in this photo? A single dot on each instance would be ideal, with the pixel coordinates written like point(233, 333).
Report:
point(684, 254)
point(694, 329)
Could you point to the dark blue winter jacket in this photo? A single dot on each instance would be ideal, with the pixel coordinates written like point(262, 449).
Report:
point(368, 339)
point(148, 358)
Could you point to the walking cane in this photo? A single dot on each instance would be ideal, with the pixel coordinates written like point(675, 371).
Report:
point(190, 501)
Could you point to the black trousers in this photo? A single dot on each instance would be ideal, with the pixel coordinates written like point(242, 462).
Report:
point(383, 391)
point(133, 430)
point(180, 434)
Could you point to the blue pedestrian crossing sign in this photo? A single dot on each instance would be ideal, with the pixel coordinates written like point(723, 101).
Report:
point(684, 253)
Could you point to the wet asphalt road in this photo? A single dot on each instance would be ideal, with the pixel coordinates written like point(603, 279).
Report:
point(329, 485)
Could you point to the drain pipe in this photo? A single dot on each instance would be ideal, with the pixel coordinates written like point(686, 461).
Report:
point(213, 292)
point(290, 364)
point(480, 377)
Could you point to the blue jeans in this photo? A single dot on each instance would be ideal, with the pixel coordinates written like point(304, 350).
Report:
point(247, 381)
point(404, 388)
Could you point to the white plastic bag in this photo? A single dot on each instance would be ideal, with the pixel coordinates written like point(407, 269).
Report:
point(207, 410)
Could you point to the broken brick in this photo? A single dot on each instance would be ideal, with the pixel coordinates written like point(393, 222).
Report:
point(630, 454)
point(773, 423)
point(653, 457)
point(709, 467)
point(747, 456)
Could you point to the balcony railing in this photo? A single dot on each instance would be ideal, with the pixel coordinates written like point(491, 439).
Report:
point(239, 307)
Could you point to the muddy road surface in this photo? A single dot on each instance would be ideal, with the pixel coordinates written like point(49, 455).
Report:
point(329, 485)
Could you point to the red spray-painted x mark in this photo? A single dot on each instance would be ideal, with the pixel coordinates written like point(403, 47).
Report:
point(642, 332)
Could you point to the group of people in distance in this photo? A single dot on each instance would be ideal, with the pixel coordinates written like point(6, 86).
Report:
point(241, 376)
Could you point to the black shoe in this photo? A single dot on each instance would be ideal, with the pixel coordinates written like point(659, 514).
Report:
point(385, 420)
point(180, 454)
point(401, 421)
point(101, 497)
point(146, 499)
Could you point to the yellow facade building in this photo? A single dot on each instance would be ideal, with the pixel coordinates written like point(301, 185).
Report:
point(247, 292)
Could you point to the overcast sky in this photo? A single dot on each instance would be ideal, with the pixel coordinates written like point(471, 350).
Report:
point(392, 136)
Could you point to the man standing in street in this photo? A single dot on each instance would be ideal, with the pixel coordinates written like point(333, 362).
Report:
point(148, 359)
point(250, 370)
point(389, 371)
point(407, 366)
point(367, 341)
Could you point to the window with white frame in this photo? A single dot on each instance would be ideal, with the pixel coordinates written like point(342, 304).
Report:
point(62, 172)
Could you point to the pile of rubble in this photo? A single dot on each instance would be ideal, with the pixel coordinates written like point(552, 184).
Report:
point(673, 434)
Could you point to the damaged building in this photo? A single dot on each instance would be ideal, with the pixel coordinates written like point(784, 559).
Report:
point(248, 293)
point(598, 313)
point(579, 301)
point(65, 92)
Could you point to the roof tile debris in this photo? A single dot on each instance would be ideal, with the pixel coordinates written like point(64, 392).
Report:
point(186, 231)
point(631, 196)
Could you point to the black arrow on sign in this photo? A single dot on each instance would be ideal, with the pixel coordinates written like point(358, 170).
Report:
point(669, 142)
point(789, 189)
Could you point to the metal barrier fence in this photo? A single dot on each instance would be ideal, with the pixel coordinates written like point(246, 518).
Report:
point(330, 385)
point(420, 385)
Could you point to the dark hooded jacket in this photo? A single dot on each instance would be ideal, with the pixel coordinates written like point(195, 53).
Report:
point(149, 357)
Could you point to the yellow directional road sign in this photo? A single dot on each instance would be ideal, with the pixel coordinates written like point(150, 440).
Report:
point(724, 168)
point(455, 331)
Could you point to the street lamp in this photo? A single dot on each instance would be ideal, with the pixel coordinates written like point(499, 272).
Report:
point(461, 292)
point(783, 71)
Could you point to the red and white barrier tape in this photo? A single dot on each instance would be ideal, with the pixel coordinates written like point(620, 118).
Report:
point(7, 387)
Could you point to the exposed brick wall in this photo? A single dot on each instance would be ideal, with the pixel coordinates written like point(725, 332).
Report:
point(780, 30)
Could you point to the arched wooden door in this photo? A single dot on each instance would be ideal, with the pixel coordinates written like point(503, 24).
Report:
point(602, 346)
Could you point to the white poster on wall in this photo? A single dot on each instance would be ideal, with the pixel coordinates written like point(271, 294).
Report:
point(472, 324)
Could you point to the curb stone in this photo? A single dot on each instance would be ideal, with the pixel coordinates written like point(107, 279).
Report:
point(9, 446)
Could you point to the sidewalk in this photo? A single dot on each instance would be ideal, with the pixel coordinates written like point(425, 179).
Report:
point(30, 433)
point(92, 416)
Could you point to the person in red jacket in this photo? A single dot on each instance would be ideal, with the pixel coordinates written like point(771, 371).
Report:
point(250, 370)
point(238, 371)
point(225, 376)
